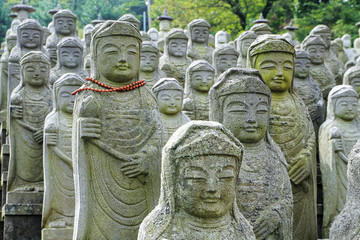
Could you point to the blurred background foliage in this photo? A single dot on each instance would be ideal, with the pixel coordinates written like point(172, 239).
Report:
point(233, 16)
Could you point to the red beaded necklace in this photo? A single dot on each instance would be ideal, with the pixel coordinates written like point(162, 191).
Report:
point(126, 88)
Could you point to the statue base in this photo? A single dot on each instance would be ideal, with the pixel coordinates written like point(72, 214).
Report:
point(57, 234)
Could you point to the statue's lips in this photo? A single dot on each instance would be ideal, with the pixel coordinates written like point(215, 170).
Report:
point(210, 200)
point(278, 80)
point(123, 68)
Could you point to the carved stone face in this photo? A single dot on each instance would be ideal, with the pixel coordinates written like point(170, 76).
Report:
point(246, 116)
point(302, 68)
point(149, 62)
point(70, 57)
point(65, 99)
point(326, 37)
point(118, 58)
point(30, 38)
point(346, 42)
point(23, 15)
point(346, 108)
point(36, 74)
point(154, 36)
point(245, 44)
point(10, 44)
point(355, 83)
point(177, 47)
point(64, 25)
point(170, 101)
point(205, 185)
point(200, 34)
point(277, 69)
point(88, 39)
point(202, 81)
point(165, 25)
point(317, 53)
point(226, 61)
point(222, 38)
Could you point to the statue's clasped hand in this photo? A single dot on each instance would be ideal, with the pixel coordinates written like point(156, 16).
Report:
point(90, 127)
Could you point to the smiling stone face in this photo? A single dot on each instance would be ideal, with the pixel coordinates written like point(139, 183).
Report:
point(30, 38)
point(36, 74)
point(202, 80)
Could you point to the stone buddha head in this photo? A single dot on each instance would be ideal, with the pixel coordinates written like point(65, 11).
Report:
point(199, 30)
point(11, 42)
point(64, 22)
point(261, 29)
point(221, 38)
point(132, 19)
point(199, 77)
point(115, 52)
point(169, 95)
point(325, 33)
point(343, 103)
point(35, 69)
point(30, 35)
point(346, 39)
point(273, 57)
point(224, 58)
point(14, 25)
point(69, 53)
point(244, 41)
point(316, 47)
point(176, 43)
point(302, 64)
point(240, 100)
point(352, 77)
point(87, 34)
point(149, 57)
point(154, 34)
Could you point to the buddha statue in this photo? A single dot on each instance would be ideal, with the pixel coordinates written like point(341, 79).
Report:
point(200, 167)
point(224, 58)
point(59, 194)
point(87, 38)
point(240, 100)
point(70, 59)
point(131, 19)
point(316, 47)
point(290, 126)
point(261, 29)
point(149, 64)
point(199, 80)
point(13, 29)
point(169, 95)
point(198, 47)
point(154, 35)
point(352, 77)
point(337, 136)
point(331, 60)
point(30, 103)
point(244, 41)
point(221, 39)
point(117, 139)
point(174, 61)
point(350, 52)
point(346, 224)
point(164, 26)
point(308, 89)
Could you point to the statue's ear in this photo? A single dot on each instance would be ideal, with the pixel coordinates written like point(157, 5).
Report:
point(89, 107)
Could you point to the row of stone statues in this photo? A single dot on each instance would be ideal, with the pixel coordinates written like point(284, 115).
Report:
point(103, 169)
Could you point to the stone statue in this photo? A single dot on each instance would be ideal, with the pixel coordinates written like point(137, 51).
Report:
point(198, 47)
point(201, 162)
point(224, 58)
point(357, 40)
point(23, 10)
point(145, 36)
point(87, 38)
point(212, 40)
point(337, 136)
point(261, 29)
point(352, 77)
point(241, 101)
point(199, 80)
point(243, 43)
point(165, 25)
point(290, 127)
point(30, 103)
point(346, 224)
point(59, 194)
point(169, 96)
point(336, 47)
point(316, 47)
point(13, 29)
point(221, 39)
point(149, 64)
point(47, 34)
point(65, 26)
point(351, 53)
point(174, 62)
point(308, 89)
point(131, 19)
point(117, 139)
point(331, 60)
point(291, 31)
point(70, 59)
point(154, 35)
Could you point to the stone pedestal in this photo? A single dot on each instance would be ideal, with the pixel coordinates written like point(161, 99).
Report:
point(57, 234)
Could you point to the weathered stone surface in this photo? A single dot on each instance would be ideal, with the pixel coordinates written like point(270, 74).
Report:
point(131, 19)
point(57, 234)
point(13, 29)
point(154, 35)
point(169, 96)
point(149, 64)
point(116, 140)
point(290, 127)
point(87, 38)
point(346, 224)
point(200, 166)
point(350, 52)
point(261, 29)
point(244, 41)
point(337, 136)
point(22, 227)
point(241, 101)
point(174, 62)
point(69, 59)
point(199, 79)
point(224, 58)
point(59, 193)
point(221, 39)
point(316, 47)
point(198, 47)
point(352, 77)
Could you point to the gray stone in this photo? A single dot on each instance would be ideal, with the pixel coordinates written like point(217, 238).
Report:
point(154, 35)
point(221, 39)
point(224, 58)
point(261, 29)
point(350, 52)
point(200, 166)
point(243, 43)
point(198, 47)
point(131, 19)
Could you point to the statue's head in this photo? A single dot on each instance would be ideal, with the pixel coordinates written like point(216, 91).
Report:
point(244, 41)
point(115, 51)
point(35, 69)
point(302, 64)
point(70, 52)
point(273, 57)
point(199, 76)
point(30, 34)
point(352, 77)
point(87, 34)
point(221, 38)
point(169, 95)
point(199, 31)
point(225, 58)
point(14, 25)
point(316, 47)
point(176, 43)
point(261, 29)
point(154, 34)
point(11, 42)
point(149, 57)
point(132, 19)
point(240, 100)
point(324, 32)
point(346, 39)
point(64, 22)
point(344, 100)
point(335, 46)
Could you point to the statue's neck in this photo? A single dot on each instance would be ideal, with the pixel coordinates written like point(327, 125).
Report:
point(254, 146)
point(123, 83)
point(36, 89)
point(67, 69)
point(205, 223)
point(196, 44)
point(279, 95)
